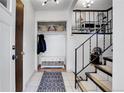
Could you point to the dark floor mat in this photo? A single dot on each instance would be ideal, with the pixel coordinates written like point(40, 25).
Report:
point(51, 82)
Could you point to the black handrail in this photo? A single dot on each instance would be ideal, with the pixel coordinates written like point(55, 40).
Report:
point(92, 10)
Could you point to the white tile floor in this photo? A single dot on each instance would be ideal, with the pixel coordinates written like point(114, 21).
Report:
point(68, 78)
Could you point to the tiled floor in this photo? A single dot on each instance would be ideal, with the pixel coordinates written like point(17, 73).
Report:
point(68, 78)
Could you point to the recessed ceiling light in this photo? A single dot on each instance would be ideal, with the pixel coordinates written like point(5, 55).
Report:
point(46, 1)
point(87, 3)
point(57, 2)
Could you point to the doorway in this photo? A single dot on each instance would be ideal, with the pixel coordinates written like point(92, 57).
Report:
point(19, 46)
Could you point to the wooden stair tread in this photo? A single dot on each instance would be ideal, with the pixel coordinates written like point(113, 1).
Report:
point(97, 76)
point(100, 82)
point(105, 69)
point(108, 83)
point(85, 85)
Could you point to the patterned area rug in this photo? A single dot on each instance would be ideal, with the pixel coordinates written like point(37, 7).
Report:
point(51, 82)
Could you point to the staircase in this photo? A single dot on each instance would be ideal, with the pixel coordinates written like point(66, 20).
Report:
point(94, 77)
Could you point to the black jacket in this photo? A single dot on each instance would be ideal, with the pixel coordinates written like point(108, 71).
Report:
point(41, 47)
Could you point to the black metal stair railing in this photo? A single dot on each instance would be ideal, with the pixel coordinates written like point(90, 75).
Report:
point(88, 21)
point(106, 44)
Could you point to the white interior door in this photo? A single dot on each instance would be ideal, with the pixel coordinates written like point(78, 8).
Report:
point(7, 75)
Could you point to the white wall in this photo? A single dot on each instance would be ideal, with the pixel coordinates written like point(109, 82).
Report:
point(28, 42)
point(56, 48)
point(55, 43)
point(118, 64)
point(51, 15)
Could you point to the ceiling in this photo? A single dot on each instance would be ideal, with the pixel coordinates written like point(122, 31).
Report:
point(97, 5)
point(51, 6)
point(64, 5)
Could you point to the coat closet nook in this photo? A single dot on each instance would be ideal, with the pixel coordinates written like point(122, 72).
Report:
point(51, 44)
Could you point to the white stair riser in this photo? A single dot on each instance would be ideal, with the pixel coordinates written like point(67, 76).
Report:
point(109, 63)
point(95, 87)
point(104, 75)
point(88, 69)
point(98, 89)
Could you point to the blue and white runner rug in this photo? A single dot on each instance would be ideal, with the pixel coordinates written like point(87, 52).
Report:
point(51, 82)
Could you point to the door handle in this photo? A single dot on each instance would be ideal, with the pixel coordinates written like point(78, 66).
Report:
point(22, 53)
point(14, 57)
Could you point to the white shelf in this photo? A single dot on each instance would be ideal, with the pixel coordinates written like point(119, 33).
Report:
point(53, 33)
point(52, 27)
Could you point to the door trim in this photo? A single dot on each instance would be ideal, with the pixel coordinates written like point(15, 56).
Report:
point(19, 46)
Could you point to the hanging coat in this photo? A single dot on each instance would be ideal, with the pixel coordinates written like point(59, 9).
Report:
point(41, 44)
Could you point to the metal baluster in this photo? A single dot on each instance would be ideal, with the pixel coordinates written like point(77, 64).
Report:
point(75, 66)
point(108, 23)
point(96, 39)
point(104, 42)
point(85, 21)
point(89, 22)
point(98, 32)
point(106, 31)
point(110, 39)
point(94, 21)
point(83, 56)
point(111, 25)
point(110, 32)
point(80, 22)
point(76, 21)
point(102, 24)
point(90, 48)
point(98, 20)
point(112, 17)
